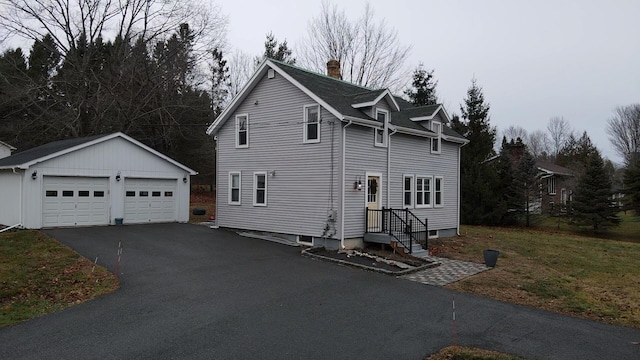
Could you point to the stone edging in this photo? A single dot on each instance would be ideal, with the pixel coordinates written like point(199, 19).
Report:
point(307, 253)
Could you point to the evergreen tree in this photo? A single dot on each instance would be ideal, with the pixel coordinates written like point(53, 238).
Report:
point(479, 195)
point(423, 91)
point(592, 200)
point(526, 178)
point(632, 184)
point(276, 50)
point(219, 82)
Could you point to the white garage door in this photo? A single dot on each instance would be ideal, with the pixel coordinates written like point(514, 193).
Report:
point(149, 200)
point(75, 201)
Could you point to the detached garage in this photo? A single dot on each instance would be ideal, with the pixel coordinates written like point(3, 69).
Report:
point(92, 181)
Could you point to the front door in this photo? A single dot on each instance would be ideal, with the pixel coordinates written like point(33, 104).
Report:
point(373, 203)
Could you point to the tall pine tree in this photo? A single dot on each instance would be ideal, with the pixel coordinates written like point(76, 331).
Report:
point(592, 200)
point(423, 87)
point(479, 195)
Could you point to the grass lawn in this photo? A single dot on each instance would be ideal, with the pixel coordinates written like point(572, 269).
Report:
point(38, 276)
point(580, 275)
point(202, 200)
point(463, 353)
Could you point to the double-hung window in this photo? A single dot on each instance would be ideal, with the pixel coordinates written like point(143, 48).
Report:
point(235, 188)
point(260, 189)
point(436, 143)
point(311, 124)
point(437, 191)
point(551, 185)
point(242, 130)
point(423, 191)
point(381, 135)
point(407, 191)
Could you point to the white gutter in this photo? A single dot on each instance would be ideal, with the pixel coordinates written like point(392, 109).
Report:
point(344, 137)
point(363, 122)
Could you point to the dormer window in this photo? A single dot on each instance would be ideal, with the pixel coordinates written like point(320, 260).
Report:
point(381, 135)
point(436, 127)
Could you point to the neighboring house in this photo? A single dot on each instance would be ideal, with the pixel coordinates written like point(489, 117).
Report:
point(92, 181)
point(557, 187)
point(305, 154)
point(5, 149)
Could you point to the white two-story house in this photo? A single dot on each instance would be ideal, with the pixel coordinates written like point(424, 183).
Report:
point(318, 158)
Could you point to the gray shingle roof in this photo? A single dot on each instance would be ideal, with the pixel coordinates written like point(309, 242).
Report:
point(41, 151)
point(553, 168)
point(341, 95)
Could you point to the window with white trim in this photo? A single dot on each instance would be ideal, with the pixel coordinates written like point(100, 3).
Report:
point(260, 189)
point(381, 135)
point(436, 143)
point(423, 191)
point(551, 185)
point(311, 124)
point(437, 191)
point(235, 188)
point(407, 191)
point(242, 130)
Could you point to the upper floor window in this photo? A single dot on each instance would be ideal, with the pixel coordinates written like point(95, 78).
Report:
point(311, 124)
point(423, 191)
point(381, 135)
point(242, 131)
point(436, 127)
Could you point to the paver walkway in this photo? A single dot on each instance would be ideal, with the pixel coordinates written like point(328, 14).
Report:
point(448, 272)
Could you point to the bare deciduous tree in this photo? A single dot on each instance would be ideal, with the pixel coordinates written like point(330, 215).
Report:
point(241, 68)
point(369, 52)
point(559, 131)
point(67, 21)
point(624, 130)
point(538, 143)
point(515, 132)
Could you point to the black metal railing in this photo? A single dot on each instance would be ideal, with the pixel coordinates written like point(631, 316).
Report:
point(401, 224)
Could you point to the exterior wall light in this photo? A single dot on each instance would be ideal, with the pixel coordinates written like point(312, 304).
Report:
point(357, 185)
point(184, 179)
point(34, 175)
point(118, 176)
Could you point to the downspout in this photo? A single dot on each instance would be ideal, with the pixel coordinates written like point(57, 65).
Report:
point(389, 168)
point(215, 169)
point(344, 137)
point(458, 215)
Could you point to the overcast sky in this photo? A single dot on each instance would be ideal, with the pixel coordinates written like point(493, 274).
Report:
point(534, 59)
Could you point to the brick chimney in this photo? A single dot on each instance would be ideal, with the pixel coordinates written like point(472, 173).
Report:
point(333, 69)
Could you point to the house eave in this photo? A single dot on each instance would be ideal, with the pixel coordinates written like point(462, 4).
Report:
point(384, 94)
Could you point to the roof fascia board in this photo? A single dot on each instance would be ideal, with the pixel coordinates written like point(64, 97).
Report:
point(224, 116)
point(103, 139)
point(455, 139)
point(363, 122)
point(407, 131)
point(253, 81)
point(7, 145)
point(377, 100)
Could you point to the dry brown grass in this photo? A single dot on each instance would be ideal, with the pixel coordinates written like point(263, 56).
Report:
point(581, 276)
point(464, 353)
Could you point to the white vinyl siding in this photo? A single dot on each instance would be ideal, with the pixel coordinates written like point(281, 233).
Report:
point(311, 126)
point(437, 191)
point(436, 143)
point(242, 130)
point(423, 191)
point(407, 191)
point(260, 189)
point(235, 188)
point(381, 136)
point(298, 169)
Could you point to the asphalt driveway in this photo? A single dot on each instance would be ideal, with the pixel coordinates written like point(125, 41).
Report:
point(189, 292)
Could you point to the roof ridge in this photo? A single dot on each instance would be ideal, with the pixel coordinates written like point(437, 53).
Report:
point(321, 75)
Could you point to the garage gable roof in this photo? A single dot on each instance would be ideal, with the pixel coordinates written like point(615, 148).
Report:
point(2, 143)
point(27, 158)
